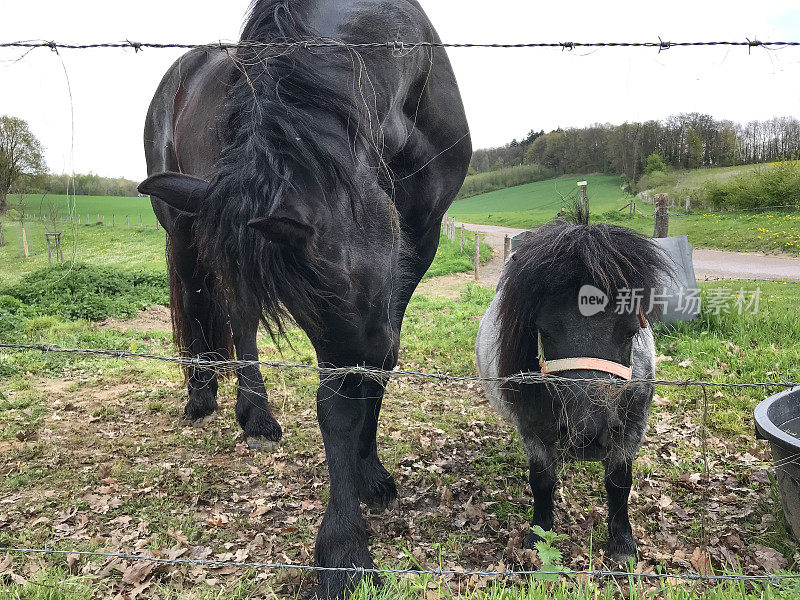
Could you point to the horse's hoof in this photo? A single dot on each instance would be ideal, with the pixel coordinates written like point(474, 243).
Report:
point(622, 551)
point(260, 443)
point(378, 490)
point(262, 426)
point(202, 421)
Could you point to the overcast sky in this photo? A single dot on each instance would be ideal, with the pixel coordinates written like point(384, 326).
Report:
point(506, 92)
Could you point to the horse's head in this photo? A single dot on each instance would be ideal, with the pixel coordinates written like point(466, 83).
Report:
point(574, 304)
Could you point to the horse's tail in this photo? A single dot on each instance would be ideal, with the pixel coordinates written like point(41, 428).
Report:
point(216, 329)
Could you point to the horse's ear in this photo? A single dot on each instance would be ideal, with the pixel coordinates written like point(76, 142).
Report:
point(180, 191)
point(284, 229)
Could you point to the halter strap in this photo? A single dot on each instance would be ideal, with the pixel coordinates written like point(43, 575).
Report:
point(588, 363)
point(592, 364)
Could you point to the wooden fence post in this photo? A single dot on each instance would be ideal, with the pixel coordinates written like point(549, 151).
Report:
point(2, 236)
point(462, 238)
point(25, 242)
point(127, 222)
point(113, 220)
point(506, 248)
point(661, 229)
point(477, 256)
point(688, 204)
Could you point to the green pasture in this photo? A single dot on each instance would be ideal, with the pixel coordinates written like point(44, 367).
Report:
point(535, 203)
point(52, 405)
point(78, 208)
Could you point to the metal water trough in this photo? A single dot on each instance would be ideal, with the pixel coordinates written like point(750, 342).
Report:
point(778, 421)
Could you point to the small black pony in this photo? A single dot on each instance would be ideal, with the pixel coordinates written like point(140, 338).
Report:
point(308, 182)
point(537, 323)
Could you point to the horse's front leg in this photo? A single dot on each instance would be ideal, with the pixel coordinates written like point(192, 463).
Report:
point(342, 537)
point(618, 480)
point(376, 487)
point(260, 428)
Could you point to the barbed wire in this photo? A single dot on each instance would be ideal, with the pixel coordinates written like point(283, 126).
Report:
point(767, 578)
point(378, 373)
point(393, 45)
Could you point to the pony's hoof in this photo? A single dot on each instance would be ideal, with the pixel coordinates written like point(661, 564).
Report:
point(529, 543)
point(202, 421)
point(260, 443)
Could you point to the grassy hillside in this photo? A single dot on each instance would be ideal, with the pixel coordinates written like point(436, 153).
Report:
point(686, 181)
point(533, 203)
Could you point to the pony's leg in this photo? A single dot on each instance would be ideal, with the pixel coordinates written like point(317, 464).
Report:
point(618, 480)
point(542, 477)
point(543, 485)
point(261, 429)
point(342, 537)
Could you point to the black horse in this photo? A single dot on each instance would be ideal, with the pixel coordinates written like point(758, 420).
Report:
point(308, 182)
point(537, 323)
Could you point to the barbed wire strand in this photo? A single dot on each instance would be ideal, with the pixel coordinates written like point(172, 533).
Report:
point(377, 373)
point(394, 45)
point(767, 578)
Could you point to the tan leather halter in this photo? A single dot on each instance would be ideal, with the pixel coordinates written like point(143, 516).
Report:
point(588, 363)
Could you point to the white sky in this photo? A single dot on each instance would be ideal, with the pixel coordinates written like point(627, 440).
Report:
point(506, 92)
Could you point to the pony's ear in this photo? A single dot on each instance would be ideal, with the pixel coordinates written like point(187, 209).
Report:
point(283, 229)
point(180, 191)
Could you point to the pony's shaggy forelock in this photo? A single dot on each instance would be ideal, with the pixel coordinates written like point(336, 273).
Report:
point(278, 108)
point(554, 261)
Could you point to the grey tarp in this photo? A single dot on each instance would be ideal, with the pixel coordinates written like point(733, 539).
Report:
point(680, 289)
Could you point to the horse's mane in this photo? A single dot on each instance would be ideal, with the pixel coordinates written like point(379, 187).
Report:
point(554, 261)
point(290, 116)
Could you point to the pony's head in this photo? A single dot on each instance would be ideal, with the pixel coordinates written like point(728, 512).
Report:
point(577, 291)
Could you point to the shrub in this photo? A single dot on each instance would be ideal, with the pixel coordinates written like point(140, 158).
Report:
point(482, 183)
point(762, 188)
point(654, 163)
point(82, 291)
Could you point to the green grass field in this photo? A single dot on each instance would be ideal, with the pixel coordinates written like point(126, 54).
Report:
point(536, 203)
point(83, 207)
point(97, 457)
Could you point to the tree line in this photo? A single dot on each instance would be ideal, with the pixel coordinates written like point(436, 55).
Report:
point(87, 184)
point(684, 141)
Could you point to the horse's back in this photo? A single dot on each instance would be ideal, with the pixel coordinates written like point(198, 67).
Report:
point(182, 127)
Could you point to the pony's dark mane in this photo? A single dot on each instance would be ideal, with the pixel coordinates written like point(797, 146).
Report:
point(289, 117)
point(554, 261)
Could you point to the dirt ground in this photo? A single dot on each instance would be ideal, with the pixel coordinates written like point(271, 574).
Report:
point(154, 318)
point(112, 466)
